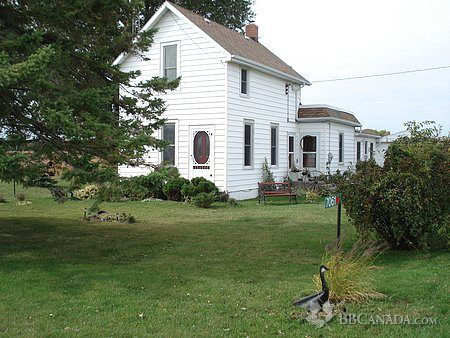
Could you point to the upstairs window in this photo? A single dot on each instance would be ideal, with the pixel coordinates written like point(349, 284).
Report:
point(170, 62)
point(358, 151)
point(248, 146)
point(341, 147)
point(244, 81)
point(168, 135)
point(371, 150)
point(365, 150)
point(273, 145)
point(309, 146)
point(291, 157)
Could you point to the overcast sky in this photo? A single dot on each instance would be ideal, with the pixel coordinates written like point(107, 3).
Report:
point(326, 39)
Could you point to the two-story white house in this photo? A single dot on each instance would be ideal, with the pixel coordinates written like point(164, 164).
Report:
point(237, 104)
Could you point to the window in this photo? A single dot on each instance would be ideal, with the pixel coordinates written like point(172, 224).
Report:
point(248, 146)
point(273, 145)
point(358, 151)
point(170, 62)
point(309, 151)
point(365, 150)
point(201, 147)
point(244, 81)
point(168, 134)
point(371, 149)
point(341, 147)
point(291, 157)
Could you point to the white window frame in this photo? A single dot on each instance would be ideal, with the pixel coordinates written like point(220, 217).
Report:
point(360, 150)
point(250, 123)
point(317, 136)
point(341, 161)
point(160, 132)
point(240, 82)
point(277, 145)
point(291, 152)
point(161, 57)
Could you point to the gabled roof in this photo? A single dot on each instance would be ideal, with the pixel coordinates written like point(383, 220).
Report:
point(312, 113)
point(242, 49)
point(238, 45)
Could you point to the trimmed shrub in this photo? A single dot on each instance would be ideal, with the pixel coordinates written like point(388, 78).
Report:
point(172, 189)
point(204, 200)
point(406, 202)
point(197, 186)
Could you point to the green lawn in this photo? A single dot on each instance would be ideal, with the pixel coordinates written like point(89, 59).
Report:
point(183, 271)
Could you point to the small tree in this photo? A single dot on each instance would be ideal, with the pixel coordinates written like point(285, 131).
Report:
point(267, 174)
point(406, 202)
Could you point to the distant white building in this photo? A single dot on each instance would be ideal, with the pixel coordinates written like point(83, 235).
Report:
point(384, 142)
point(366, 146)
point(237, 104)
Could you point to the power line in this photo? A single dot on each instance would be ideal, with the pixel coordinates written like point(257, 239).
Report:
point(382, 74)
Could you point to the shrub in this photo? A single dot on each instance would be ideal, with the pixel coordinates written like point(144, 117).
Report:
point(2, 199)
point(88, 192)
point(204, 200)
point(232, 202)
point(349, 276)
point(312, 197)
point(58, 192)
point(406, 201)
point(172, 189)
point(223, 196)
point(111, 192)
point(267, 174)
point(197, 186)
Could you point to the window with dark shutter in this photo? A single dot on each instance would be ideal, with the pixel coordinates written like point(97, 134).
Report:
point(248, 157)
point(273, 145)
point(341, 147)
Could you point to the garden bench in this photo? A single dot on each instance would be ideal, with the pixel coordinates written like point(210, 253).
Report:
point(275, 189)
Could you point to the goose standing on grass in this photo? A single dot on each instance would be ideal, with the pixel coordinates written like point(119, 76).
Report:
point(314, 303)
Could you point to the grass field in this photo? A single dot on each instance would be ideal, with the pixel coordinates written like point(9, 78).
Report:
point(183, 271)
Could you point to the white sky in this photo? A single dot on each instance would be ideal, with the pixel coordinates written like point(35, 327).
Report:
point(324, 39)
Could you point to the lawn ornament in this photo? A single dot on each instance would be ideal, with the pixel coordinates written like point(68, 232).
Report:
point(314, 303)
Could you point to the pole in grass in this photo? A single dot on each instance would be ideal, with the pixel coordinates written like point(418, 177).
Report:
point(332, 201)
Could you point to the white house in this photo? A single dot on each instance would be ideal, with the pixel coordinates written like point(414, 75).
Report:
point(366, 146)
point(384, 142)
point(237, 104)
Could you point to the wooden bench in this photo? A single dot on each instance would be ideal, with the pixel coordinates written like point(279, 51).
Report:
point(275, 189)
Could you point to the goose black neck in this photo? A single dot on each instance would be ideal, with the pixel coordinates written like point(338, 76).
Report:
point(324, 283)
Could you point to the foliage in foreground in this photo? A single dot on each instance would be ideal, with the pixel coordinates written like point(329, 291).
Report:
point(348, 278)
point(407, 201)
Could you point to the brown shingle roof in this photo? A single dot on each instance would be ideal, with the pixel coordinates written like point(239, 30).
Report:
point(318, 112)
point(237, 44)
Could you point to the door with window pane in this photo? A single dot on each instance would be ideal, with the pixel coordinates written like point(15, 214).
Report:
point(308, 145)
point(201, 152)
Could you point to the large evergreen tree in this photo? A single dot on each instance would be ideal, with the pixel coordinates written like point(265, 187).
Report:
point(59, 92)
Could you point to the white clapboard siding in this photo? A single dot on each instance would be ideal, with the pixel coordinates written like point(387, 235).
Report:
point(200, 98)
point(266, 104)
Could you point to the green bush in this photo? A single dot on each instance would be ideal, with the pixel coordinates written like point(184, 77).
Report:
point(223, 196)
point(172, 189)
point(111, 192)
point(406, 202)
point(197, 186)
point(232, 202)
point(267, 174)
point(204, 200)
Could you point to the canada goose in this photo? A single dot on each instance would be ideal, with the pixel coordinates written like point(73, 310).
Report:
point(316, 301)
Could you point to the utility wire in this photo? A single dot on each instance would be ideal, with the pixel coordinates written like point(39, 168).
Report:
point(382, 74)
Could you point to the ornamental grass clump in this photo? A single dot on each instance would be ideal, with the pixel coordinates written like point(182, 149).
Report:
point(349, 276)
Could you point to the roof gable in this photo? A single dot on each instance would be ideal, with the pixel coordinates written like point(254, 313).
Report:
point(229, 40)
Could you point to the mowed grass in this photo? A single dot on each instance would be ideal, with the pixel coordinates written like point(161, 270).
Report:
point(183, 271)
